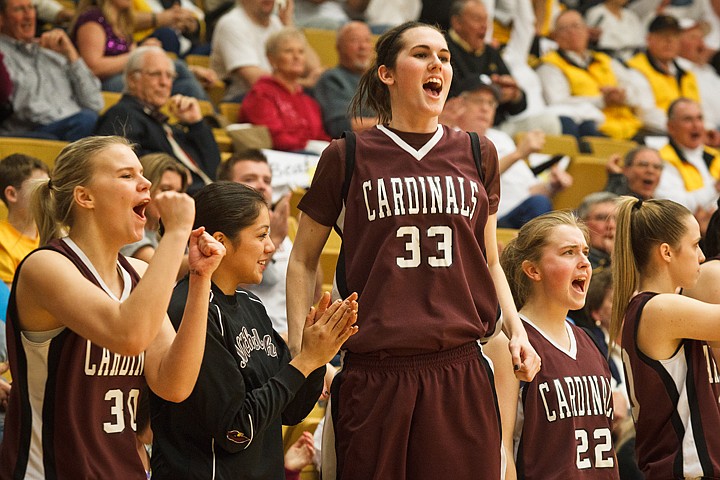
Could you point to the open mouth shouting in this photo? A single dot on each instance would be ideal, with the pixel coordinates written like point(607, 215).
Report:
point(139, 209)
point(579, 284)
point(433, 87)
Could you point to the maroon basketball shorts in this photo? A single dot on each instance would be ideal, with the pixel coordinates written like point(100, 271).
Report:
point(429, 416)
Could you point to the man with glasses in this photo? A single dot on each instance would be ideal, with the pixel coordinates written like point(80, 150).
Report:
point(692, 169)
point(149, 76)
point(472, 56)
point(638, 175)
point(597, 210)
point(55, 94)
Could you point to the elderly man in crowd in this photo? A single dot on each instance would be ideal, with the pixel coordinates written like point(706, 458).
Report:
point(692, 169)
point(336, 87)
point(574, 75)
point(638, 175)
point(149, 77)
point(55, 94)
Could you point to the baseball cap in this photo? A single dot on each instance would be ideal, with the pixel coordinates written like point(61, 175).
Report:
point(690, 23)
point(474, 83)
point(664, 23)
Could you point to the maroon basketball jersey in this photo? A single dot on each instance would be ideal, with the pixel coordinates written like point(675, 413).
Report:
point(674, 404)
point(412, 229)
point(72, 407)
point(565, 413)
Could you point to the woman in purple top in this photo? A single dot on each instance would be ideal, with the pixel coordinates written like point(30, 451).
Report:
point(103, 35)
point(103, 31)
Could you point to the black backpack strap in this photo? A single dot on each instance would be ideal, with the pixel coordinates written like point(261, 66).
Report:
point(475, 142)
point(350, 142)
point(349, 161)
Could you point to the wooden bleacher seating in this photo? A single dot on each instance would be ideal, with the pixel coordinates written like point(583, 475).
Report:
point(589, 175)
point(604, 147)
point(230, 110)
point(504, 235)
point(329, 258)
point(199, 60)
point(323, 42)
point(110, 99)
point(292, 433)
point(556, 144)
point(45, 150)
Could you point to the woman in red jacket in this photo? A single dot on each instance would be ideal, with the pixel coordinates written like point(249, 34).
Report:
point(278, 101)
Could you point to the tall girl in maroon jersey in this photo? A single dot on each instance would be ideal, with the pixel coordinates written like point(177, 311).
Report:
point(672, 377)
point(415, 396)
point(84, 332)
point(559, 423)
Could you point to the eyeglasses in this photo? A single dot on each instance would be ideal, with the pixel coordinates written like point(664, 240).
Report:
point(645, 164)
point(481, 102)
point(157, 74)
point(600, 217)
point(22, 8)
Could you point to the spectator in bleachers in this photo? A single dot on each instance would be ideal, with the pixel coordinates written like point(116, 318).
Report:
point(328, 14)
point(54, 12)
point(657, 78)
point(638, 175)
point(165, 175)
point(251, 168)
point(18, 234)
point(524, 196)
point(576, 75)
point(621, 30)
point(382, 15)
point(177, 24)
point(279, 102)
point(436, 12)
point(472, 56)
point(597, 211)
point(55, 95)
point(149, 75)
point(694, 57)
point(103, 35)
point(6, 88)
point(238, 46)
point(692, 169)
point(336, 87)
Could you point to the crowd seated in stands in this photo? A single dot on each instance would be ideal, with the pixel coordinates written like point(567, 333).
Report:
point(279, 102)
point(471, 55)
point(238, 46)
point(524, 196)
point(149, 75)
point(55, 95)
point(103, 35)
point(575, 75)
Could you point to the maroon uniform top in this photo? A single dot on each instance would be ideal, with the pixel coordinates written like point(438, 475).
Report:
point(674, 404)
point(72, 407)
point(412, 230)
point(565, 413)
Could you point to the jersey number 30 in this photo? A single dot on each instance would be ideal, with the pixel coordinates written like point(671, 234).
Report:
point(444, 255)
point(117, 409)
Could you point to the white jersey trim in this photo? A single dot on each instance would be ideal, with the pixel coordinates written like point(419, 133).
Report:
point(127, 284)
point(417, 154)
point(572, 353)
